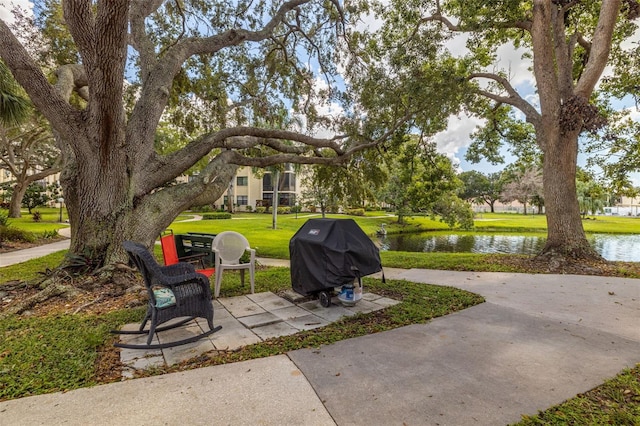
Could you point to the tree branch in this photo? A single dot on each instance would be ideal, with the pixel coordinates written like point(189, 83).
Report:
point(43, 95)
point(139, 40)
point(514, 99)
point(600, 48)
point(78, 15)
point(543, 59)
point(155, 92)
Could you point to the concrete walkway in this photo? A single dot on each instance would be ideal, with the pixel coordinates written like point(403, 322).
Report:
point(538, 340)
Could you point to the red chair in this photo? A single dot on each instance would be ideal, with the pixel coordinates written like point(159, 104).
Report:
point(170, 255)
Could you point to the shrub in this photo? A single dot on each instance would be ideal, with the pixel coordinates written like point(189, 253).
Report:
point(52, 233)
point(284, 210)
point(37, 216)
point(4, 219)
point(261, 209)
point(202, 209)
point(219, 215)
point(8, 233)
point(355, 212)
point(296, 209)
point(249, 209)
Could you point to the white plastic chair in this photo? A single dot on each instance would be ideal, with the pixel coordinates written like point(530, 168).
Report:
point(228, 247)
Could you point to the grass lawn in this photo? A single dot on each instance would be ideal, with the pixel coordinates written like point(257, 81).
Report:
point(61, 351)
point(49, 220)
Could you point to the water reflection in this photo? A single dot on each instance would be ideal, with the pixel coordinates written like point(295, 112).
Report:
point(611, 247)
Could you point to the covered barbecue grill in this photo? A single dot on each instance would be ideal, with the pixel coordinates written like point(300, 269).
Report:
point(328, 253)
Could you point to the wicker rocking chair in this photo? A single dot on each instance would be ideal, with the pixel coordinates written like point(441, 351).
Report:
point(175, 291)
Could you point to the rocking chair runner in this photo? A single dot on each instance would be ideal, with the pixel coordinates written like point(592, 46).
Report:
point(175, 291)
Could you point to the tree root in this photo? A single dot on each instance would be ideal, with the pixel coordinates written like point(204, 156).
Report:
point(115, 285)
point(52, 290)
point(578, 260)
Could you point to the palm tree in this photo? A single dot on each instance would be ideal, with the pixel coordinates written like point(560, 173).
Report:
point(14, 105)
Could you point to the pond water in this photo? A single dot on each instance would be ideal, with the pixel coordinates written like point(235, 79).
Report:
point(624, 248)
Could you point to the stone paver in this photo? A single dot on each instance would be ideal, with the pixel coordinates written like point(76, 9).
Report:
point(308, 322)
point(290, 312)
point(332, 313)
point(259, 320)
point(245, 320)
point(270, 301)
point(241, 306)
point(275, 330)
point(233, 336)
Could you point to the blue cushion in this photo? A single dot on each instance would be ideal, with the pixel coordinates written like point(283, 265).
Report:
point(164, 297)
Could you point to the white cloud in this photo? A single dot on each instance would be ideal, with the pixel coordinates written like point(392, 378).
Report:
point(456, 136)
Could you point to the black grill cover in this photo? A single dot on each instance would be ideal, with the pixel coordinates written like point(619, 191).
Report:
point(323, 251)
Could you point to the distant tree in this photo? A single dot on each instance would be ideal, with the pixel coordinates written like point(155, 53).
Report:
point(592, 196)
point(423, 180)
point(481, 188)
point(35, 196)
point(523, 187)
point(352, 185)
point(29, 154)
point(317, 192)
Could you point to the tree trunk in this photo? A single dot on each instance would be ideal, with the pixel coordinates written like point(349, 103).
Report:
point(104, 212)
point(565, 235)
point(19, 189)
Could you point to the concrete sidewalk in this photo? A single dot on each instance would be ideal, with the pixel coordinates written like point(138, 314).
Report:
point(538, 340)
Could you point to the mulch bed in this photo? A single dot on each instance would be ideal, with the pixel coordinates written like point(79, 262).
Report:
point(9, 246)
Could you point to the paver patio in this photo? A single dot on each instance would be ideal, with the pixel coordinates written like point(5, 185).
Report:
point(245, 320)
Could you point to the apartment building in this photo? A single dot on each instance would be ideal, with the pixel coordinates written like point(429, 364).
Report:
point(248, 189)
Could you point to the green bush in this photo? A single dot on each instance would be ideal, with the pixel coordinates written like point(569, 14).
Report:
point(37, 216)
point(355, 212)
point(51, 233)
point(284, 210)
point(202, 209)
point(261, 209)
point(219, 215)
point(296, 209)
point(249, 209)
point(4, 219)
point(8, 233)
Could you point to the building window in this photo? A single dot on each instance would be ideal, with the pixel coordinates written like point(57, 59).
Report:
point(242, 200)
point(266, 182)
point(287, 182)
point(225, 200)
point(242, 180)
point(267, 198)
point(286, 199)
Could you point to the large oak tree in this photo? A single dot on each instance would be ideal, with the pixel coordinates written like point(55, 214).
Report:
point(226, 72)
point(569, 43)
